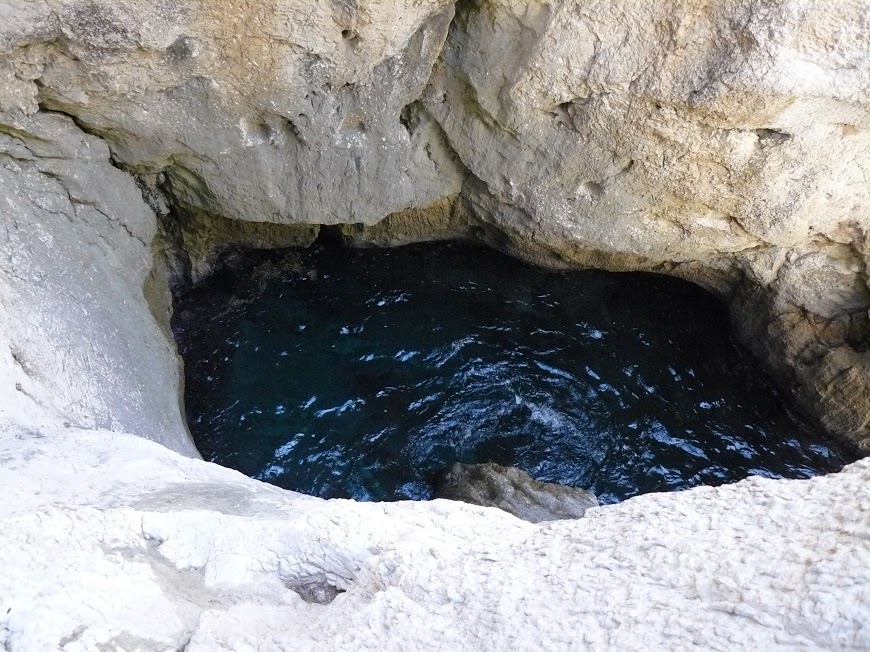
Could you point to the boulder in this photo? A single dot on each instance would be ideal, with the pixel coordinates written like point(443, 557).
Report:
point(514, 491)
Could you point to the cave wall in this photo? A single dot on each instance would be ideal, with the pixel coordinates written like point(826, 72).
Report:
point(277, 111)
point(724, 142)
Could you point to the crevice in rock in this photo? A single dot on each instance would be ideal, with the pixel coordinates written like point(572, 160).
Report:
point(471, 100)
point(20, 134)
point(409, 116)
point(314, 589)
point(195, 242)
point(47, 105)
point(73, 636)
point(771, 136)
point(184, 644)
point(21, 361)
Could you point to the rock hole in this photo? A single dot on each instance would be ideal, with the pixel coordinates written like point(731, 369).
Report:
point(564, 114)
point(408, 118)
point(592, 190)
point(182, 49)
point(258, 133)
point(316, 589)
point(350, 37)
point(291, 130)
point(363, 373)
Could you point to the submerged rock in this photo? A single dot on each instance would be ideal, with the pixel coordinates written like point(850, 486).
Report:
point(515, 492)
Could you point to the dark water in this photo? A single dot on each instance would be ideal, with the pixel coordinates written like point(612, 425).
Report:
point(364, 373)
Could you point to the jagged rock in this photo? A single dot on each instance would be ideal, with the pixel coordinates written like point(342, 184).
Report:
point(514, 491)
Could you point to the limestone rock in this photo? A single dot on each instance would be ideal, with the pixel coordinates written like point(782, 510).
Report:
point(290, 111)
point(78, 341)
point(716, 141)
point(711, 140)
point(726, 142)
point(673, 130)
point(108, 541)
point(514, 491)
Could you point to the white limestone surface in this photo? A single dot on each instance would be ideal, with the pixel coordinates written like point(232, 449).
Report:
point(79, 343)
point(112, 542)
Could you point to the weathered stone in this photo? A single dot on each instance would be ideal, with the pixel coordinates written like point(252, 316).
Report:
point(109, 538)
point(706, 140)
point(194, 242)
point(284, 112)
point(78, 342)
point(514, 491)
point(724, 142)
point(712, 141)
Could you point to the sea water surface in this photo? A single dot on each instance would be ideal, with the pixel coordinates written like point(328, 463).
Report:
point(364, 373)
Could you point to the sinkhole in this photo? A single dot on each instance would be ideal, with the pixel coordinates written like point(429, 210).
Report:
point(366, 373)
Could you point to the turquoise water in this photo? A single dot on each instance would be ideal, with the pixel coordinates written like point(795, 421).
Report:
point(365, 373)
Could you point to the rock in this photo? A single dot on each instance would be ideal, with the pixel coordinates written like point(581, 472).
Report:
point(298, 111)
point(676, 131)
point(109, 541)
point(715, 141)
point(195, 242)
point(79, 344)
point(724, 142)
point(514, 491)
point(720, 142)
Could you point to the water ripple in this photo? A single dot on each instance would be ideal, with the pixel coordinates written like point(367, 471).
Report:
point(371, 371)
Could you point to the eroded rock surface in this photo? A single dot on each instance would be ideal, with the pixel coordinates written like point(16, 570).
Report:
point(111, 540)
point(298, 111)
point(514, 491)
point(79, 343)
point(726, 142)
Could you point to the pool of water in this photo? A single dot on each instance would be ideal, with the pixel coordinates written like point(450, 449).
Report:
point(366, 373)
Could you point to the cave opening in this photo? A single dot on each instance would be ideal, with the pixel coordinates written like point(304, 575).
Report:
point(366, 373)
